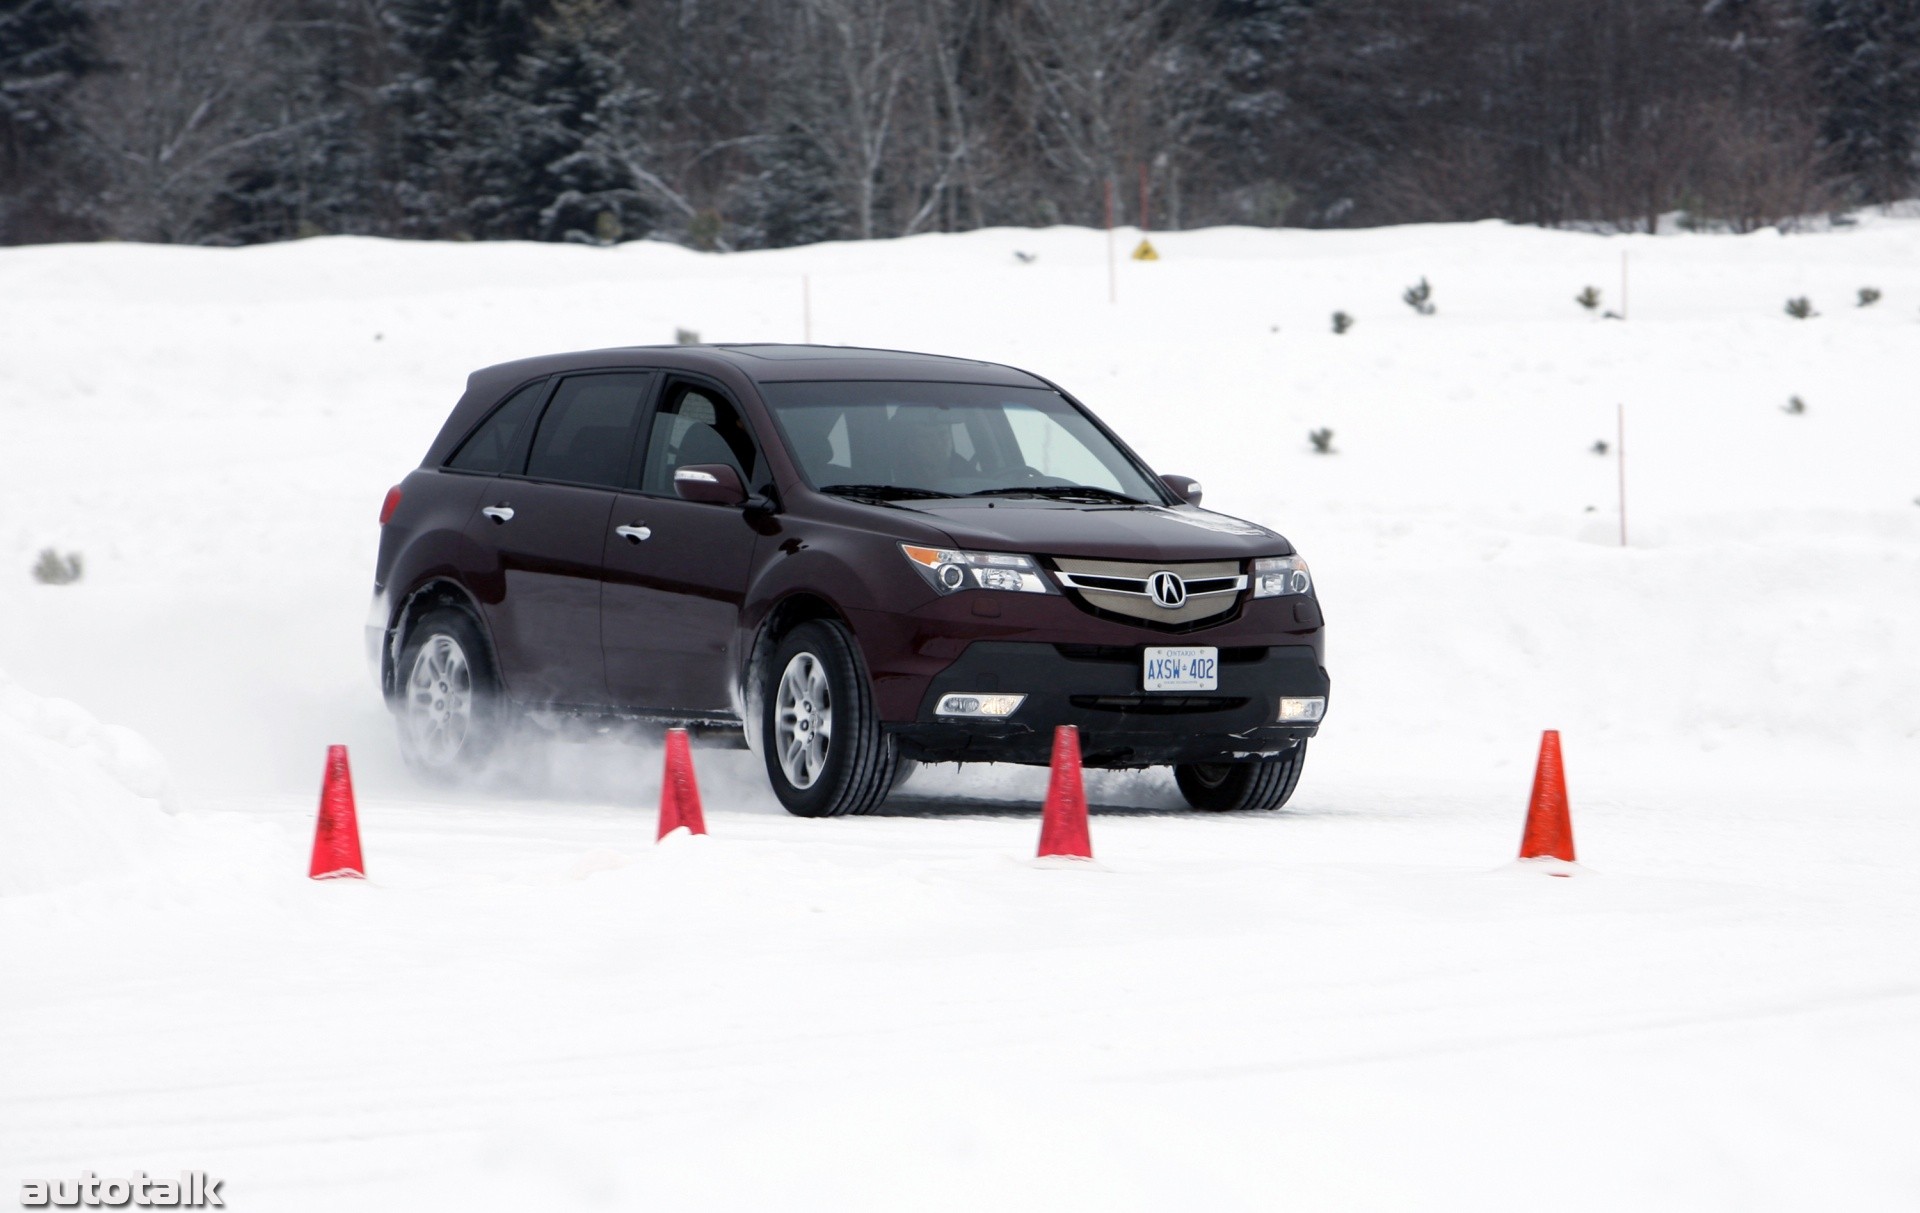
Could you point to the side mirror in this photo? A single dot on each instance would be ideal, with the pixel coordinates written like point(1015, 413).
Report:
point(1186, 488)
point(713, 483)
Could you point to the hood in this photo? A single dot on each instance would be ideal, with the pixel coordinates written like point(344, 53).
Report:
point(1106, 532)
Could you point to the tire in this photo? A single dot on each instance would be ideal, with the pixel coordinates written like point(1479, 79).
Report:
point(1224, 787)
point(903, 769)
point(447, 701)
point(824, 759)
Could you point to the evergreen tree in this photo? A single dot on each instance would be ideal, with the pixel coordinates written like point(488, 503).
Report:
point(570, 159)
point(1867, 67)
point(45, 47)
point(321, 177)
point(1248, 49)
point(794, 197)
point(445, 103)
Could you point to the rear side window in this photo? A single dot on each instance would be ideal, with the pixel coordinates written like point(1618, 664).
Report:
point(497, 440)
point(586, 435)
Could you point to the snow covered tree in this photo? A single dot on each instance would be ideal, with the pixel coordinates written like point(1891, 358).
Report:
point(445, 106)
point(1250, 48)
point(577, 126)
point(794, 198)
point(186, 97)
point(45, 47)
point(1867, 68)
point(322, 175)
point(1103, 88)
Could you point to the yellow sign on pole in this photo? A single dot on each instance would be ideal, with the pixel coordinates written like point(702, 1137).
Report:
point(1145, 252)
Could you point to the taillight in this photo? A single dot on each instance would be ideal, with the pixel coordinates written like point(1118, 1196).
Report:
point(391, 504)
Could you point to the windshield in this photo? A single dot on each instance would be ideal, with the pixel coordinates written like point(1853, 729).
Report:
point(896, 441)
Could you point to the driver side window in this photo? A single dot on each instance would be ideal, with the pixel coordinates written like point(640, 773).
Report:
point(697, 425)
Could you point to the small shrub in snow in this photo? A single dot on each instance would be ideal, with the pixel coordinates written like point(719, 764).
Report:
point(1588, 298)
point(1795, 405)
point(1322, 440)
point(1342, 322)
point(1420, 298)
point(686, 337)
point(1869, 295)
point(1800, 308)
point(53, 569)
point(704, 230)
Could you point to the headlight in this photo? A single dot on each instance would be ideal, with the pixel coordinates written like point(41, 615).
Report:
point(1277, 575)
point(947, 571)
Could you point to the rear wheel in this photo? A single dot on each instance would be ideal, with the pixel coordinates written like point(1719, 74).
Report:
point(825, 751)
point(1222, 787)
point(447, 701)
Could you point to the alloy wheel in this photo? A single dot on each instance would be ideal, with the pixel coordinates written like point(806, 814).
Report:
point(803, 720)
point(439, 709)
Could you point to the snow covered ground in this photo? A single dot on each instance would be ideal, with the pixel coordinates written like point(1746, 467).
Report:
point(1352, 1004)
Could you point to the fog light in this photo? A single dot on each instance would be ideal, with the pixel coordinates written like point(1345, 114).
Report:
point(1302, 711)
point(978, 705)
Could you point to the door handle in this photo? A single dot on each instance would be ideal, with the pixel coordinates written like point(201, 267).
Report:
point(634, 534)
point(499, 513)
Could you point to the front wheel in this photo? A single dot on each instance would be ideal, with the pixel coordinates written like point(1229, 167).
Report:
point(825, 751)
point(1223, 787)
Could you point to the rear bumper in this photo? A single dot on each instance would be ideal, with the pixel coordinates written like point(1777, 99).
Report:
point(378, 613)
point(1099, 692)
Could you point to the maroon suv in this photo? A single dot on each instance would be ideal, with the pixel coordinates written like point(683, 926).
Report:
point(851, 559)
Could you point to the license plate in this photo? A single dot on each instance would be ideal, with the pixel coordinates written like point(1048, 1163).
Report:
point(1195, 669)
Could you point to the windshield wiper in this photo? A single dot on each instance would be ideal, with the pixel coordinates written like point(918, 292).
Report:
point(1062, 491)
point(884, 492)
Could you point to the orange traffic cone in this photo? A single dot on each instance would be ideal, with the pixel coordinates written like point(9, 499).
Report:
point(679, 791)
point(1063, 819)
point(1549, 833)
point(336, 839)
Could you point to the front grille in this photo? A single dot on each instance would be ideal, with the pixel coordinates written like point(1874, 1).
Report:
point(1158, 705)
point(1209, 590)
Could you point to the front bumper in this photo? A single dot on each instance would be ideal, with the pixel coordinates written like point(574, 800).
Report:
point(1097, 689)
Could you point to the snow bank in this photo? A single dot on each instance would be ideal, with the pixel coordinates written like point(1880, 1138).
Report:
point(82, 799)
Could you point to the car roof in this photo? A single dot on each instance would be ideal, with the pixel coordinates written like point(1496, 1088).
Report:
point(766, 363)
point(772, 363)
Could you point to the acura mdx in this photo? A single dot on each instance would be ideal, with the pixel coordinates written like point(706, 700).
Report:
point(851, 560)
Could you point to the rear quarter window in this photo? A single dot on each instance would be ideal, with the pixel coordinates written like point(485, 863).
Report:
point(497, 440)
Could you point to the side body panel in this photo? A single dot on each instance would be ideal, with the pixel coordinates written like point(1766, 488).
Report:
point(671, 605)
point(425, 542)
point(540, 590)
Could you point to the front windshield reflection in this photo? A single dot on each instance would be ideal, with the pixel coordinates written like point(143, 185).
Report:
point(895, 441)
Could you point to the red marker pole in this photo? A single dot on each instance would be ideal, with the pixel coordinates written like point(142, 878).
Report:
point(1622, 447)
point(1113, 274)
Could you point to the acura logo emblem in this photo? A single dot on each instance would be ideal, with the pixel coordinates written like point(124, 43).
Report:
point(1167, 590)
